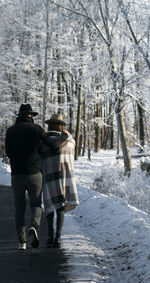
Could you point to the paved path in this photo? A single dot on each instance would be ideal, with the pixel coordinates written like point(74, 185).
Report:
point(78, 261)
point(42, 265)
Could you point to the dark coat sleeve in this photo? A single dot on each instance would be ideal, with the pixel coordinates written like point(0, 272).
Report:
point(10, 146)
point(51, 141)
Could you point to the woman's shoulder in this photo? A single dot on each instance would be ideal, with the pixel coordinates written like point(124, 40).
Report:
point(70, 139)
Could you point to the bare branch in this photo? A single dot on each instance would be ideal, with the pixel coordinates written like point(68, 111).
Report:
point(137, 100)
point(85, 16)
point(133, 35)
point(82, 6)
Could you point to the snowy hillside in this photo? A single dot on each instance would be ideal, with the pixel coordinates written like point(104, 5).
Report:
point(120, 230)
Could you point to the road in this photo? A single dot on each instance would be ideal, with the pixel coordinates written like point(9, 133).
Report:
point(78, 260)
point(40, 265)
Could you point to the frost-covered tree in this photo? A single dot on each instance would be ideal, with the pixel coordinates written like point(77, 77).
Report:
point(42, 60)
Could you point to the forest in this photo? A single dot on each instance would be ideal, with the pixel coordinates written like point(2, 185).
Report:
point(86, 59)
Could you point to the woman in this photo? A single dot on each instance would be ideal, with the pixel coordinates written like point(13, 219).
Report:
point(59, 187)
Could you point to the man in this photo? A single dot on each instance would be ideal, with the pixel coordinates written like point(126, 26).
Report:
point(22, 144)
point(59, 186)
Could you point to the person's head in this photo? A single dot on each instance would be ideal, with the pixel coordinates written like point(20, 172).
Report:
point(55, 123)
point(25, 110)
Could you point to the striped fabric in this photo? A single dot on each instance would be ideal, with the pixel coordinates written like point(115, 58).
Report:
point(59, 187)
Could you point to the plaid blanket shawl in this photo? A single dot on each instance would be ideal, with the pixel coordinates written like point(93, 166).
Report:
point(59, 187)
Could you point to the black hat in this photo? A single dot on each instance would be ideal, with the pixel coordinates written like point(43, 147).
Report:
point(26, 109)
point(56, 118)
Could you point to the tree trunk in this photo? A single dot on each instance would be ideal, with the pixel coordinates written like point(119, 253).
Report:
point(70, 95)
point(135, 118)
point(141, 124)
point(110, 122)
point(97, 128)
point(123, 138)
point(45, 64)
point(120, 111)
point(60, 90)
point(140, 102)
point(84, 130)
point(118, 139)
point(80, 145)
point(77, 135)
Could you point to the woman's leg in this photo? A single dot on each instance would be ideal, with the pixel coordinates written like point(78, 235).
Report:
point(59, 225)
point(50, 225)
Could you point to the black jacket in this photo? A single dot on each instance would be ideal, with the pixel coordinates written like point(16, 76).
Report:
point(22, 146)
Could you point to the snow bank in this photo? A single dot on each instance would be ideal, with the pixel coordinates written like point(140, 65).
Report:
point(5, 178)
point(119, 228)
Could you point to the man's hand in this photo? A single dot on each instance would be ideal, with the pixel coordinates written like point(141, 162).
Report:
point(65, 131)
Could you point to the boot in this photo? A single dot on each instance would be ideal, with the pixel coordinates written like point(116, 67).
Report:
point(50, 223)
point(59, 226)
point(57, 242)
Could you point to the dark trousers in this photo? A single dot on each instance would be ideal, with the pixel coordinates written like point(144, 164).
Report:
point(33, 185)
point(59, 222)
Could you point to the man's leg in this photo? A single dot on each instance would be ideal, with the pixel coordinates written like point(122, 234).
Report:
point(34, 188)
point(20, 206)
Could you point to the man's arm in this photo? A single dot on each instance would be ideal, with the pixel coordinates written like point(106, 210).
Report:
point(8, 144)
point(50, 141)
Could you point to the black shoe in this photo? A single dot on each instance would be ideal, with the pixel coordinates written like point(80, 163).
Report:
point(57, 242)
point(34, 237)
point(50, 242)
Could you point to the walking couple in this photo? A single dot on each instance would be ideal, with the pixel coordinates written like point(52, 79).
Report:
point(41, 163)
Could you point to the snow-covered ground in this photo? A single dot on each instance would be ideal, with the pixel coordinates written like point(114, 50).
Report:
point(5, 177)
point(108, 240)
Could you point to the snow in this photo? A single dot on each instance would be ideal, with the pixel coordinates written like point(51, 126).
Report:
point(108, 238)
point(5, 177)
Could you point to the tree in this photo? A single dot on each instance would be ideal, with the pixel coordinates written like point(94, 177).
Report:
point(107, 37)
point(45, 47)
